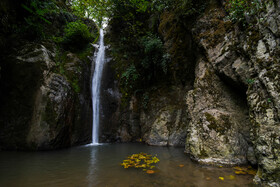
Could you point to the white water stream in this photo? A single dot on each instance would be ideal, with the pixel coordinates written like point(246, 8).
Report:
point(96, 82)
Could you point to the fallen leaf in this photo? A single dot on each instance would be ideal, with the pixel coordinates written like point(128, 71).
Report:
point(208, 178)
point(150, 171)
point(231, 177)
point(222, 178)
point(252, 172)
point(239, 168)
point(181, 165)
point(240, 172)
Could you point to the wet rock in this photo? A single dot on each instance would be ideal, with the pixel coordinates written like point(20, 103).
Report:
point(164, 123)
point(41, 109)
point(219, 129)
point(246, 61)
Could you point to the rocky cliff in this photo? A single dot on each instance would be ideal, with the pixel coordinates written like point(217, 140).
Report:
point(39, 107)
point(243, 121)
point(45, 84)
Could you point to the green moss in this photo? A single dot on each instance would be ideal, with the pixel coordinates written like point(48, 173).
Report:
point(216, 32)
point(75, 85)
point(84, 54)
point(203, 153)
point(253, 39)
point(77, 36)
point(72, 75)
point(218, 126)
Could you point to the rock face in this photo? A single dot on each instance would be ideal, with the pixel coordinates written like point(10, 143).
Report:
point(247, 61)
point(41, 110)
point(219, 129)
point(109, 105)
point(164, 122)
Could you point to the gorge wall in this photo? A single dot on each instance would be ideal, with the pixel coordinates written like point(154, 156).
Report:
point(45, 94)
point(39, 107)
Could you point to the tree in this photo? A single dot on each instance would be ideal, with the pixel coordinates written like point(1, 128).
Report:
point(92, 9)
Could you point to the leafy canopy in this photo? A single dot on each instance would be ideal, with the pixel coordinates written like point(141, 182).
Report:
point(94, 9)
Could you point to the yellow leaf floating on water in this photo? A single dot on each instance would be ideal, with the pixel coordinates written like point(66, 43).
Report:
point(240, 172)
point(222, 178)
point(245, 170)
point(239, 168)
point(141, 160)
point(150, 171)
point(252, 172)
point(231, 177)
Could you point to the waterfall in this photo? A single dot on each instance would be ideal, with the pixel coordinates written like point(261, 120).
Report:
point(96, 82)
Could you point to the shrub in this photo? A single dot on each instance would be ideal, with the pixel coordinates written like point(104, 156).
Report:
point(154, 57)
point(239, 9)
point(129, 77)
point(76, 35)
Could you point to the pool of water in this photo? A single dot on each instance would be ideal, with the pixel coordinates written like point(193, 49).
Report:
point(100, 166)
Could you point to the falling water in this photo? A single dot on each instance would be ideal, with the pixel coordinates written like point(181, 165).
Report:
point(96, 81)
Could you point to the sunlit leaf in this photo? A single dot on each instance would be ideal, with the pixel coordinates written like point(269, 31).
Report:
point(222, 178)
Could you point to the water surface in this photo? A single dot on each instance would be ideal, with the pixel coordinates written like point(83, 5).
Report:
point(100, 166)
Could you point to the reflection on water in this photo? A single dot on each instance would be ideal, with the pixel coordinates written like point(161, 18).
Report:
point(92, 173)
point(100, 166)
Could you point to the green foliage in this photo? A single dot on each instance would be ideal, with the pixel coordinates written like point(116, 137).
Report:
point(43, 19)
point(141, 60)
point(140, 69)
point(145, 100)
point(76, 35)
point(94, 9)
point(75, 85)
point(158, 5)
point(129, 77)
point(269, 100)
point(36, 19)
point(154, 54)
point(239, 9)
point(182, 7)
point(71, 76)
point(250, 81)
point(39, 9)
point(138, 5)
